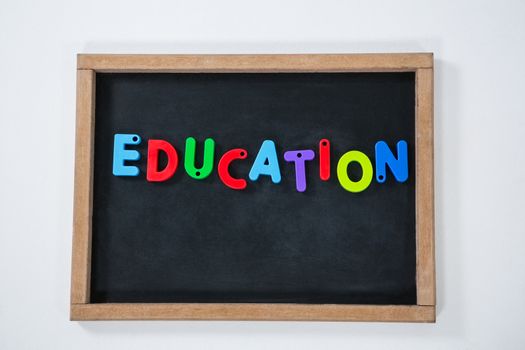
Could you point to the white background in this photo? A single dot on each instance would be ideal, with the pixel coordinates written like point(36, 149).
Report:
point(479, 126)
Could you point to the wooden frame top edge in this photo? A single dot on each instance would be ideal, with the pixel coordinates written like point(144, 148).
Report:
point(255, 62)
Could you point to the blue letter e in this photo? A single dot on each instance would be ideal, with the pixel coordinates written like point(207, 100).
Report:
point(121, 154)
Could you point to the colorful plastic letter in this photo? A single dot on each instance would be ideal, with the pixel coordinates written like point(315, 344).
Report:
point(324, 159)
point(121, 155)
point(299, 157)
point(342, 171)
point(224, 163)
point(154, 147)
point(266, 163)
point(399, 166)
point(207, 163)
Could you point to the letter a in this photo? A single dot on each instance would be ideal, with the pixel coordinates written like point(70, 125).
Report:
point(266, 163)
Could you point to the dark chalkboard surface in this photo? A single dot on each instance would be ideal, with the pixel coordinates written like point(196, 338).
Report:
point(186, 240)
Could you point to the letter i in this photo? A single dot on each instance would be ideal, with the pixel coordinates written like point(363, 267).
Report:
point(324, 159)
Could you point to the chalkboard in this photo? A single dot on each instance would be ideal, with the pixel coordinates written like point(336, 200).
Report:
point(187, 241)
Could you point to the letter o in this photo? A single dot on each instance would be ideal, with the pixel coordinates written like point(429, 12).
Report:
point(342, 171)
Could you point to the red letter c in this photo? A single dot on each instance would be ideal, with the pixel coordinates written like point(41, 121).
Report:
point(224, 163)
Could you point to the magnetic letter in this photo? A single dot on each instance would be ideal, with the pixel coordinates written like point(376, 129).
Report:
point(207, 163)
point(299, 158)
point(324, 159)
point(121, 154)
point(342, 171)
point(267, 154)
point(153, 174)
point(399, 166)
point(224, 163)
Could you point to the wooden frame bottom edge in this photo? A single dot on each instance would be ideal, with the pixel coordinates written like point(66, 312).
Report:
point(253, 312)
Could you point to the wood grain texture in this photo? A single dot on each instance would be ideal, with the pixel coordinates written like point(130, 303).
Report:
point(425, 269)
point(421, 63)
point(291, 312)
point(82, 207)
point(256, 63)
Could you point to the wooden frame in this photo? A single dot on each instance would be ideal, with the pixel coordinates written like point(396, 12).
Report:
point(87, 67)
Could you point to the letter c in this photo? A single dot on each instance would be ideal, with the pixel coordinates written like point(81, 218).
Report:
point(224, 163)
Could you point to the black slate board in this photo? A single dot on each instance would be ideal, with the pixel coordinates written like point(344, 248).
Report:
point(198, 241)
